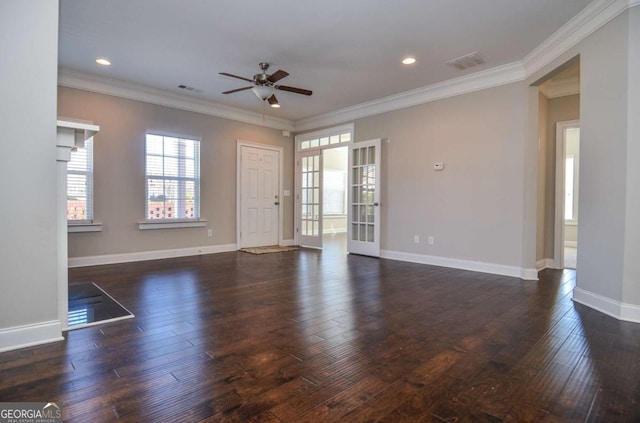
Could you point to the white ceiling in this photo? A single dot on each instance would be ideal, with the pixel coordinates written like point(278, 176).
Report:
point(346, 51)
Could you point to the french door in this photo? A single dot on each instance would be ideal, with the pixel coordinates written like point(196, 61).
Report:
point(363, 230)
point(310, 201)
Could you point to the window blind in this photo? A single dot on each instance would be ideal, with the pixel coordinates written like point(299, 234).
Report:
point(80, 184)
point(172, 177)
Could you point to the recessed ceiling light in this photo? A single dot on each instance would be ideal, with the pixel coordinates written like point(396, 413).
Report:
point(275, 105)
point(408, 60)
point(102, 61)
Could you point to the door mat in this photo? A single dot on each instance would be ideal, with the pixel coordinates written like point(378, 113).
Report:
point(89, 305)
point(268, 249)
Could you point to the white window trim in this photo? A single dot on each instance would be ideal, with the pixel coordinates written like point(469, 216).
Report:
point(79, 227)
point(89, 178)
point(171, 224)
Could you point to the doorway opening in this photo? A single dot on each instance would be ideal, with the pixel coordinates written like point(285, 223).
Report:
point(558, 166)
point(567, 192)
point(321, 208)
point(334, 195)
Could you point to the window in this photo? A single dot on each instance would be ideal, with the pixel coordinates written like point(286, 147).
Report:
point(307, 144)
point(80, 184)
point(569, 188)
point(172, 177)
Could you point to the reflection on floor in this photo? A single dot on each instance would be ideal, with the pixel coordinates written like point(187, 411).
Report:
point(90, 305)
point(570, 255)
point(335, 243)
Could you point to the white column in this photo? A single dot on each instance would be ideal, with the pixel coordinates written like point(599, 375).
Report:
point(70, 135)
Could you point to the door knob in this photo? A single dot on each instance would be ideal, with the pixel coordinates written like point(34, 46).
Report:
point(276, 203)
point(376, 204)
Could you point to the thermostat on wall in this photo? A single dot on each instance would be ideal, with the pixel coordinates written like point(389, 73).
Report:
point(438, 166)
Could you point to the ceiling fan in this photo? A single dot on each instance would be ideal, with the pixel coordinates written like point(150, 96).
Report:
point(264, 85)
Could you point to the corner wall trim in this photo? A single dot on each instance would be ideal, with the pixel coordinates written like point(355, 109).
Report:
point(545, 263)
point(30, 335)
point(613, 308)
point(149, 255)
point(476, 266)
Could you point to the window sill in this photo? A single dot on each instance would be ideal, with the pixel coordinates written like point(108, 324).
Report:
point(571, 222)
point(147, 225)
point(84, 227)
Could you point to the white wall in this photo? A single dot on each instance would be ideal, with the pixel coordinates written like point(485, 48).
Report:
point(28, 51)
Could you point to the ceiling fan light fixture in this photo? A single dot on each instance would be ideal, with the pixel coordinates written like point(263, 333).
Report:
point(262, 91)
point(409, 60)
point(275, 105)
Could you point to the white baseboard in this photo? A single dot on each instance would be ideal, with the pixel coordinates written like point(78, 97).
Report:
point(571, 244)
point(30, 335)
point(287, 243)
point(545, 263)
point(613, 308)
point(149, 255)
point(476, 266)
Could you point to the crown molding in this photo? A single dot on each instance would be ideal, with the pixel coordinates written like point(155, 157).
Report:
point(561, 88)
point(118, 88)
point(500, 75)
point(585, 23)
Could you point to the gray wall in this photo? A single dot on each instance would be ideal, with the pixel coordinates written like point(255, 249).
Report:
point(474, 207)
point(29, 48)
point(119, 181)
point(609, 235)
point(603, 106)
point(631, 286)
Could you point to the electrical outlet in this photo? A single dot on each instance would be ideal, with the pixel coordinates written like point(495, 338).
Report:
point(416, 239)
point(430, 240)
point(209, 233)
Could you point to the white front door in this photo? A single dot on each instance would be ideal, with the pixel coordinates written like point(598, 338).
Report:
point(363, 230)
point(259, 198)
point(309, 199)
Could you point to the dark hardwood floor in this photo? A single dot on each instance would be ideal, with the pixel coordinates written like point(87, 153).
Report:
point(311, 336)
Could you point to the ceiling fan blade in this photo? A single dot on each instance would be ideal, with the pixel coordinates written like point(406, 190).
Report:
point(236, 76)
point(273, 100)
point(236, 90)
point(277, 76)
point(293, 89)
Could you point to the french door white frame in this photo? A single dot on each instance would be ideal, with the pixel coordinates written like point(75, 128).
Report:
point(298, 166)
point(366, 246)
point(561, 151)
point(280, 150)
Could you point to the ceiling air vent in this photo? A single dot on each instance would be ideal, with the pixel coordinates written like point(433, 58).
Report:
point(467, 61)
point(188, 88)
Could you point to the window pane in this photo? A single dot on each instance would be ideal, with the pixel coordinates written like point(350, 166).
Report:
point(80, 183)
point(568, 188)
point(173, 178)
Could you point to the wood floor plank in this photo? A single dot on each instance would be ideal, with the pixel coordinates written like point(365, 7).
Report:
point(313, 335)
